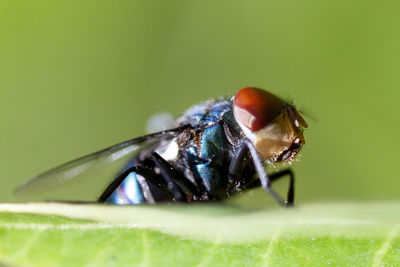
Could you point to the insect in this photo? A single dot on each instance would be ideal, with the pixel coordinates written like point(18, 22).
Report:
point(216, 149)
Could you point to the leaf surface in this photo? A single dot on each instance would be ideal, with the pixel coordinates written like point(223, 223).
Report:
point(345, 234)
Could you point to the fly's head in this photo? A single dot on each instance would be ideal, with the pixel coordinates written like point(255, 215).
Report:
point(271, 124)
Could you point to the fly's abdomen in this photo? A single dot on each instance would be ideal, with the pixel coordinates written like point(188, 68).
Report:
point(128, 192)
point(138, 188)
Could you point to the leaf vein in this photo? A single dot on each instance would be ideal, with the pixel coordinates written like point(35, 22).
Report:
point(145, 260)
point(28, 245)
point(274, 240)
point(208, 255)
point(386, 245)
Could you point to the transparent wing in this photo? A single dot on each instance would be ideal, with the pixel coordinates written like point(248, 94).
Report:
point(85, 178)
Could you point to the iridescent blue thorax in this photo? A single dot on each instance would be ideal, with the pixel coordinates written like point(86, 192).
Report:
point(208, 149)
point(208, 113)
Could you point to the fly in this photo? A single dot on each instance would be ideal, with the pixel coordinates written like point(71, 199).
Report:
point(218, 148)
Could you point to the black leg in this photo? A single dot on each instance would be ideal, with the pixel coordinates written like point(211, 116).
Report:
point(238, 161)
point(290, 195)
point(177, 184)
point(167, 173)
point(265, 181)
point(275, 176)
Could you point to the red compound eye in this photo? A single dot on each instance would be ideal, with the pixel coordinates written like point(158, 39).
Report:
point(255, 108)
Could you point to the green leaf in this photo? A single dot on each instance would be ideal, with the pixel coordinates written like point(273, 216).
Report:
point(344, 234)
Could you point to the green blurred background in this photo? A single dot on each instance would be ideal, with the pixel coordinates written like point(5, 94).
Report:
point(77, 76)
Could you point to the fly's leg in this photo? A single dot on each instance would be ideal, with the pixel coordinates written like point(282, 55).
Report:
point(276, 176)
point(237, 165)
point(144, 175)
point(238, 161)
point(167, 173)
point(290, 195)
point(262, 175)
point(176, 183)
